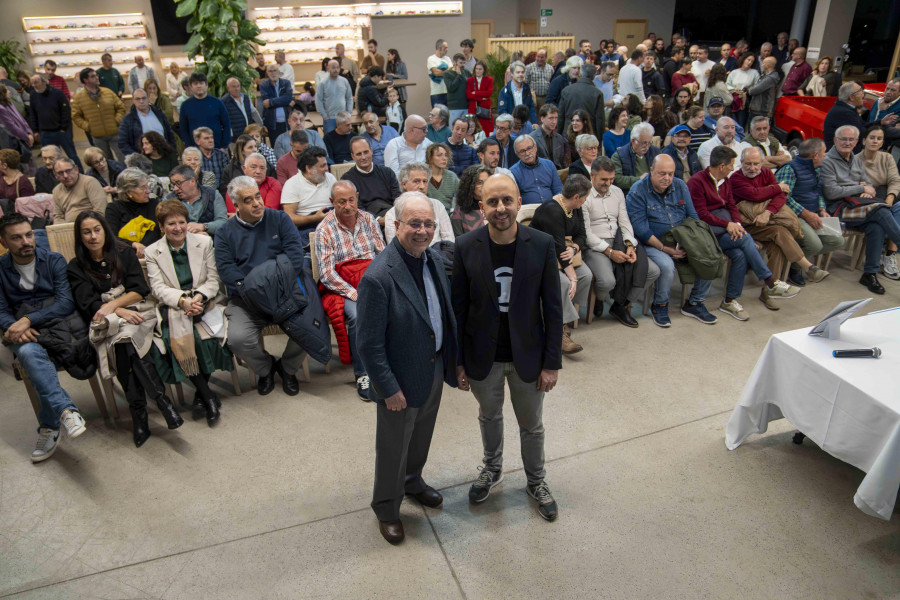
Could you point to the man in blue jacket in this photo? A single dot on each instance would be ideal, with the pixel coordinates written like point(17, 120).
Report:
point(237, 104)
point(537, 178)
point(204, 110)
point(277, 97)
point(407, 340)
point(687, 162)
point(141, 118)
point(255, 235)
point(516, 92)
point(34, 290)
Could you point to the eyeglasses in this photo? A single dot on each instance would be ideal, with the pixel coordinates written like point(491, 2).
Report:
point(98, 162)
point(429, 225)
point(847, 140)
point(177, 184)
point(65, 172)
point(421, 128)
point(503, 128)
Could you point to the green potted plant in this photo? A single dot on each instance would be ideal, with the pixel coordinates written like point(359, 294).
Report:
point(11, 56)
point(497, 64)
point(223, 38)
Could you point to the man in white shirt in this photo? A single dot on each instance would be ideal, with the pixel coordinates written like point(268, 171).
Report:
point(701, 68)
point(604, 214)
point(630, 77)
point(140, 73)
point(436, 65)
point(286, 68)
point(724, 137)
point(306, 197)
point(409, 147)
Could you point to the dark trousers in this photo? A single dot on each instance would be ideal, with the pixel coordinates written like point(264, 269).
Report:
point(273, 135)
point(402, 440)
point(878, 225)
point(438, 99)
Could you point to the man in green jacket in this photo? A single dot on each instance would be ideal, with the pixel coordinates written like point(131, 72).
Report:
point(456, 77)
point(110, 78)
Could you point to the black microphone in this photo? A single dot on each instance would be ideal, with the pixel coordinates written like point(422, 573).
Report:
point(857, 353)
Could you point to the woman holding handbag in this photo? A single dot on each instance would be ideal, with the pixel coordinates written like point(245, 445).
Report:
point(479, 89)
point(111, 293)
point(183, 276)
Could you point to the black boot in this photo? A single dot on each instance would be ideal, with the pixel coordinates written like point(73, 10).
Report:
point(140, 425)
point(155, 388)
point(137, 406)
point(212, 410)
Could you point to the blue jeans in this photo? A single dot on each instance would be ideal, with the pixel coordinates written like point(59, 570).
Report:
point(328, 125)
point(878, 225)
point(743, 254)
point(438, 99)
point(42, 373)
point(41, 240)
point(667, 275)
point(350, 315)
point(64, 140)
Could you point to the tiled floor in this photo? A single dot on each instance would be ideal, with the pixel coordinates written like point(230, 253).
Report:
point(273, 502)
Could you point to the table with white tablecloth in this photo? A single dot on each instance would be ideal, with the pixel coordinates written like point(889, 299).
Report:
point(850, 407)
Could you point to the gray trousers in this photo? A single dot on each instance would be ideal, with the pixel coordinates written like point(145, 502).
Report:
point(402, 441)
point(110, 146)
point(812, 243)
point(528, 404)
point(605, 279)
point(244, 329)
point(583, 289)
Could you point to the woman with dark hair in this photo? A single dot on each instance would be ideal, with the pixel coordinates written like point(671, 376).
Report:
point(717, 88)
point(257, 132)
point(16, 126)
point(396, 67)
point(676, 112)
point(467, 214)
point(479, 90)
point(581, 123)
point(617, 133)
point(443, 183)
point(521, 124)
point(635, 109)
point(739, 81)
point(474, 133)
point(160, 100)
point(244, 146)
point(653, 114)
point(109, 290)
point(13, 183)
point(161, 154)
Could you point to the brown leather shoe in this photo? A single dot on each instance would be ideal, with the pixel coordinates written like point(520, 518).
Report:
point(429, 497)
point(569, 346)
point(392, 531)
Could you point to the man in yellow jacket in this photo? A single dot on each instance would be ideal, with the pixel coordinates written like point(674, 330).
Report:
point(98, 110)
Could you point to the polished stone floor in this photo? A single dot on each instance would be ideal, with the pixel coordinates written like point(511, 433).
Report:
point(273, 502)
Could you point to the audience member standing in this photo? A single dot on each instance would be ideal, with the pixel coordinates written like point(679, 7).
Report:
point(286, 68)
point(630, 79)
point(142, 118)
point(372, 58)
point(797, 74)
point(51, 117)
point(436, 64)
point(277, 98)
point(763, 93)
point(397, 68)
point(98, 111)
point(237, 104)
point(110, 78)
point(538, 75)
point(701, 69)
point(54, 80)
point(140, 73)
point(204, 110)
point(583, 95)
point(333, 96)
point(479, 89)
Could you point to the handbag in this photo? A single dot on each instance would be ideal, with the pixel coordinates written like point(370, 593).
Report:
point(483, 113)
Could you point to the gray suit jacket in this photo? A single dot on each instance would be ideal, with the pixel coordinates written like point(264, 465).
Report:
point(394, 338)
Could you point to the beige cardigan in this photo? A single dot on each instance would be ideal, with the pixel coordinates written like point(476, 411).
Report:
point(882, 173)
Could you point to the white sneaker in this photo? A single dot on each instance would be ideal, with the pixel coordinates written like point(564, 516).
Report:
point(781, 290)
point(734, 309)
point(73, 422)
point(48, 440)
point(889, 266)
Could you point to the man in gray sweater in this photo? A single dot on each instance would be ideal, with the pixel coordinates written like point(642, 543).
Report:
point(333, 96)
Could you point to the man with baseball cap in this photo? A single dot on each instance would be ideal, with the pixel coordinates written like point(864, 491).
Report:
point(687, 162)
point(715, 108)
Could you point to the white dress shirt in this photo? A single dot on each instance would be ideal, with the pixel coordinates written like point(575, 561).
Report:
point(603, 216)
point(397, 153)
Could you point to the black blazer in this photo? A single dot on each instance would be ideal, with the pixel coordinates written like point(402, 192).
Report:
point(394, 336)
point(842, 114)
point(535, 305)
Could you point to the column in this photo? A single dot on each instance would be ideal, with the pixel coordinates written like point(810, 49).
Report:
point(801, 16)
point(831, 26)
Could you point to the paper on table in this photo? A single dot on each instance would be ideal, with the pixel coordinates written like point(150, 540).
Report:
point(830, 226)
point(830, 326)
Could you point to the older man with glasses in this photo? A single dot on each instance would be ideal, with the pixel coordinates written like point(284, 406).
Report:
point(75, 192)
point(537, 178)
point(845, 112)
point(633, 161)
point(505, 137)
point(142, 118)
point(409, 147)
point(205, 206)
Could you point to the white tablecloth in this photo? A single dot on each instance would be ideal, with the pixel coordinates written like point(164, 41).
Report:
point(850, 407)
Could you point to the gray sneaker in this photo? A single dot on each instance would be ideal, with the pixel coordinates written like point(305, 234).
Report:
point(889, 266)
point(48, 440)
point(546, 504)
point(734, 309)
point(481, 489)
point(73, 422)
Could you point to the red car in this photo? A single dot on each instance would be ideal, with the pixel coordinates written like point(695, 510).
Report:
point(801, 117)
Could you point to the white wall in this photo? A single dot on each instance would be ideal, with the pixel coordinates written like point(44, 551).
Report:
point(595, 20)
point(505, 15)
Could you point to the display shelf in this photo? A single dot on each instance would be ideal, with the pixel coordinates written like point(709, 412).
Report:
point(92, 51)
point(416, 9)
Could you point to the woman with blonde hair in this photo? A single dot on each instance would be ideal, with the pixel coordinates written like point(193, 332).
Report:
point(104, 170)
point(821, 81)
point(173, 81)
point(259, 133)
point(160, 100)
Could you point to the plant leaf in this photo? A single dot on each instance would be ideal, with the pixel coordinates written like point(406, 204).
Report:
point(185, 7)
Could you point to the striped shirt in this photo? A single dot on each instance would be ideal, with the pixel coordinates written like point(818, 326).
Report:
point(336, 244)
point(215, 163)
point(538, 79)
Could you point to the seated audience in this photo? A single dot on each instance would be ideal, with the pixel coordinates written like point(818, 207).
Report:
point(161, 154)
point(684, 78)
point(347, 240)
point(803, 185)
point(194, 159)
point(244, 146)
point(653, 114)
point(306, 197)
point(142, 163)
point(561, 218)
point(521, 124)
point(633, 160)
point(774, 154)
point(761, 201)
point(258, 133)
point(183, 277)
point(587, 149)
point(851, 196)
point(287, 164)
point(410, 146)
point(617, 133)
point(297, 120)
point(141, 118)
point(881, 170)
point(579, 123)
point(443, 183)
point(656, 204)
point(438, 124)
point(467, 214)
point(697, 128)
point(676, 112)
point(132, 216)
point(414, 177)
point(205, 206)
point(337, 141)
point(44, 179)
point(213, 159)
point(489, 156)
point(619, 264)
point(503, 134)
point(257, 167)
point(32, 277)
point(715, 110)
point(376, 185)
point(551, 145)
point(711, 192)
point(75, 192)
point(537, 177)
point(254, 236)
point(725, 136)
point(108, 285)
point(687, 163)
point(13, 183)
point(377, 135)
point(462, 154)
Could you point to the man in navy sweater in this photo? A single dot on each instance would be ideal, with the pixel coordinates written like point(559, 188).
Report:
point(204, 111)
point(51, 117)
point(255, 235)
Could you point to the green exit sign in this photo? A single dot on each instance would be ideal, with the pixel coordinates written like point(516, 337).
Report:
point(546, 12)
